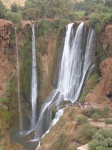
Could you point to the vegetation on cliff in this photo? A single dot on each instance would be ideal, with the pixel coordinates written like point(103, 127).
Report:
point(50, 18)
point(98, 13)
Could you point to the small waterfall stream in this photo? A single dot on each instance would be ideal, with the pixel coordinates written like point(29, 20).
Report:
point(75, 67)
point(18, 84)
point(34, 89)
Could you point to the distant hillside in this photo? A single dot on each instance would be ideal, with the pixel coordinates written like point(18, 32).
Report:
point(8, 3)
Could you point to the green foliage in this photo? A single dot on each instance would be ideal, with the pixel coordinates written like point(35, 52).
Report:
point(35, 9)
point(44, 27)
point(1, 148)
point(96, 116)
point(89, 111)
point(10, 85)
point(78, 15)
point(98, 12)
point(108, 121)
point(81, 120)
point(2, 10)
point(90, 6)
point(96, 113)
point(94, 80)
point(105, 111)
point(61, 143)
point(25, 62)
point(6, 116)
point(14, 7)
point(102, 140)
point(4, 99)
point(92, 83)
point(86, 133)
point(99, 21)
point(13, 16)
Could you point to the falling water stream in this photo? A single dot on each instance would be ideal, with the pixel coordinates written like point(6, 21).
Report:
point(34, 89)
point(18, 83)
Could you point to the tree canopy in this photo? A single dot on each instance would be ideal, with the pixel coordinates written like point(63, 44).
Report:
point(35, 9)
point(2, 10)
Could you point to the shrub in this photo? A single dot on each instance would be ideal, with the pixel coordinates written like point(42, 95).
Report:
point(108, 121)
point(81, 119)
point(44, 27)
point(96, 116)
point(6, 116)
point(1, 148)
point(102, 140)
point(99, 21)
point(89, 111)
point(105, 111)
point(96, 113)
point(86, 133)
point(14, 17)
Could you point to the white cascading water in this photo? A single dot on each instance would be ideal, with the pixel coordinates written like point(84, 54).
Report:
point(18, 83)
point(58, 115)
point(34, 89)
point(75, 67)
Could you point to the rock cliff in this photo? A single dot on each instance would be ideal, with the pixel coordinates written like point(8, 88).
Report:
point(103, 90)
point(6, 55)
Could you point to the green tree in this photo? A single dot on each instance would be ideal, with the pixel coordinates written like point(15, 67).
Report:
point(14, 7)
point(102, 140)
point(85, 133)
point(2, 10)
point(35, 9)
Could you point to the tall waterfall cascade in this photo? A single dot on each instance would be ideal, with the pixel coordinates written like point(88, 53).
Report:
point(76, 64)
point(18, 84)
point(34, 88)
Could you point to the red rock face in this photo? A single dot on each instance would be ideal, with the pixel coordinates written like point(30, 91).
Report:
point(104, 87)
point(5, 66)
point(106, 39)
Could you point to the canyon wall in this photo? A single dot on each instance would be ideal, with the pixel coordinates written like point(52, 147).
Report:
point(49, 35)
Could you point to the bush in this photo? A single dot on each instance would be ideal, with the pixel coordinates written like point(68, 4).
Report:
point(99, 21)
point(81, 119)
point(96, 113)
point(96, 116)
point(2, 10)
point(89, 111)
point(105, 112)
point(108, 121)
point(44, 27)
point(86, 133)
point(102, 140)
point(14, 17)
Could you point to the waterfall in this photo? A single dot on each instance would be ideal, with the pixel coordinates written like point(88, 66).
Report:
point(71, 65)
point(34, 89)
point(74, 69)
point(18, 84)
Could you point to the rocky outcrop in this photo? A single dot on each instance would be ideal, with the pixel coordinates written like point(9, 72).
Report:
point(8, 103)
point(47, 65)
point(103, 90)
point(106, 39)
point(6, 54)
